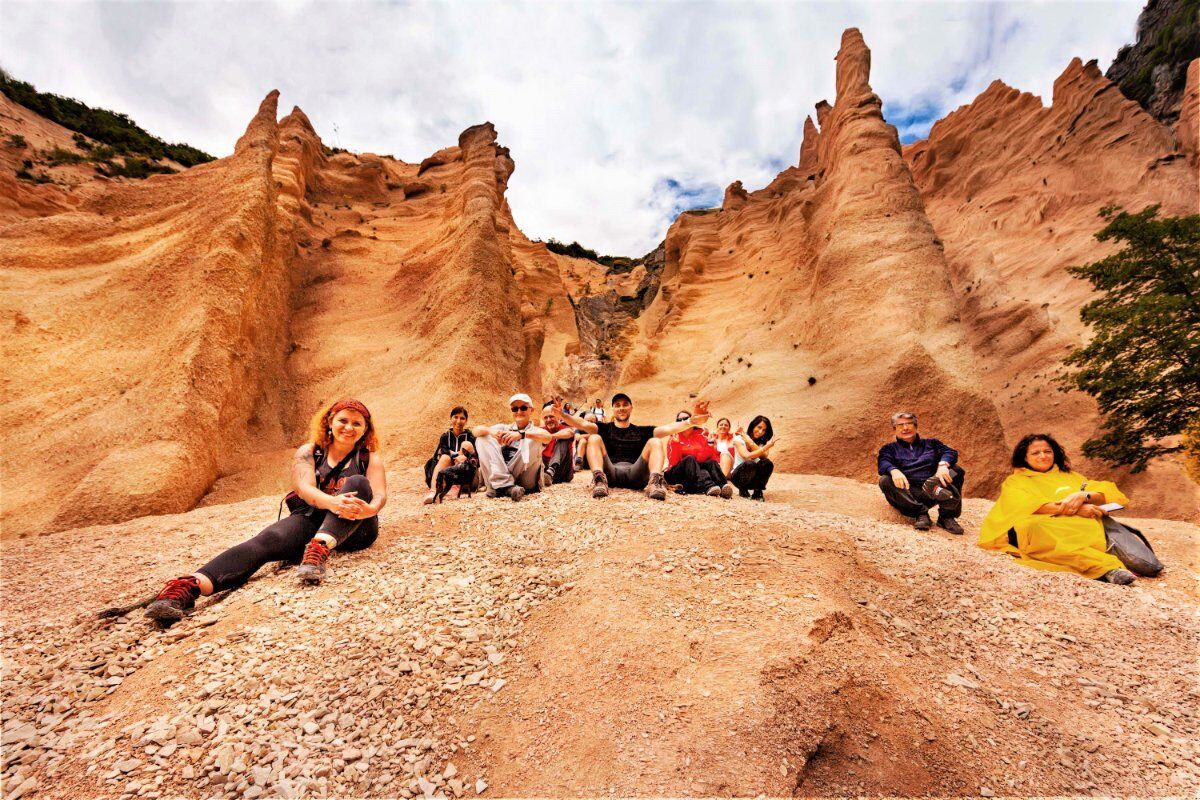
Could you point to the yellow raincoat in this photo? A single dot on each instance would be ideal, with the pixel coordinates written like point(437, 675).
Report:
point(1069, 544)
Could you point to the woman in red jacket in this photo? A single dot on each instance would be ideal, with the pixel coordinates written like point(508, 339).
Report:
point(694, 463)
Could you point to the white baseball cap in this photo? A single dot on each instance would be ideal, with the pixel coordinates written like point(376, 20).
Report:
point(524, 398)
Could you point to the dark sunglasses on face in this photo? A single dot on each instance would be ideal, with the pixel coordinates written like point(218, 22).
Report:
point(515, 409)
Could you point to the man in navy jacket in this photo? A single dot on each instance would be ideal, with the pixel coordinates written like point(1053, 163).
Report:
point(917, 474)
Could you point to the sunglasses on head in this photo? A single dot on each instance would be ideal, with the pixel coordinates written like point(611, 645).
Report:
point(519, 408)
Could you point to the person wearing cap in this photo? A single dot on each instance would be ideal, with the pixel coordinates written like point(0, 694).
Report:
point(916, 474)
point(557, 456)
point(339, 487)
point(510, 454)
point(622, 455)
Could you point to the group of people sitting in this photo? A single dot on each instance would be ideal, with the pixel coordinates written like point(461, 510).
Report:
point(1047, 516)
point(512, 459)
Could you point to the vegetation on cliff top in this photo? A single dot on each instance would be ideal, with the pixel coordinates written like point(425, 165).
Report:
point(111, 134)
point(1177, 42)
point(576, 250)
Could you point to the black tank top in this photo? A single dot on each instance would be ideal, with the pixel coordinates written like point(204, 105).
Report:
point(356, 464)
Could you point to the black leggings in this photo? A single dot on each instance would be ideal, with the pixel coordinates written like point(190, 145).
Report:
point(752, 476)
point(696, 477)
point(287, 538)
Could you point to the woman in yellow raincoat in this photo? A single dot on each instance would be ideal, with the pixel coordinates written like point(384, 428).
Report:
point(1048, 517)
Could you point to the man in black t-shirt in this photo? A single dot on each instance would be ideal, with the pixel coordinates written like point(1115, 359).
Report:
point(627, 456)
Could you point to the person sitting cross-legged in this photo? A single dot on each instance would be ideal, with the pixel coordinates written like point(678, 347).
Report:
point(558, 456)
point(694, 462)
point(454, 446)
point(916, 474)
point(510, 454)
point(627, 456)
point(752, 465)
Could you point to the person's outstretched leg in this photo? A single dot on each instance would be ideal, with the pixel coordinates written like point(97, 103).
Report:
point(492, 465)
point(762, 474)
point(333, 531)
point(743, 477)
point(948, 500)
point(655, 455)
point(717, 475)
point(561, 466)
point(687, 473)
point(442, 462)
point(905, 501)
point(599, 464)
point(526, 468)
point(282, 541)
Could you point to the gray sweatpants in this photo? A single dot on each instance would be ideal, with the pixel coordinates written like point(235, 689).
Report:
point(523, 468)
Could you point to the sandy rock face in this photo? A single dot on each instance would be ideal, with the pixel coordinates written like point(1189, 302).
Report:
point(170, 338)
point(1187, 132)
point(141, 325)
point(831, 272)
point(1013, 189)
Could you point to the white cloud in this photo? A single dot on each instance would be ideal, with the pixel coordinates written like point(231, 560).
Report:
point(602, 104)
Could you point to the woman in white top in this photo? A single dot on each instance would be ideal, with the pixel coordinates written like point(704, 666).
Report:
point(724, 444)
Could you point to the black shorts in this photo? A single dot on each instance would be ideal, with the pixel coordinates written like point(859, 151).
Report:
point(626, 475)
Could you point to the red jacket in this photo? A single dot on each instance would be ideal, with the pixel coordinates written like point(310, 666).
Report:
point(692, 442)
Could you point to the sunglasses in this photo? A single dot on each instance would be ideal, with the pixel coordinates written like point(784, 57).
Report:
point(515, 409)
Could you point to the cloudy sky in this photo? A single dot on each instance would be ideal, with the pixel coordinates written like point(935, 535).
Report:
point(618, 115)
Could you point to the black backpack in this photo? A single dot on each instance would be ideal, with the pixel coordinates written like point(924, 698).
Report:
point(296, 504)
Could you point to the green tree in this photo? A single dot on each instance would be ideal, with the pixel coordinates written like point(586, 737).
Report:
point(1143, 363)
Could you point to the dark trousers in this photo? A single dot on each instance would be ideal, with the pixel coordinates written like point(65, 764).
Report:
point(287, 538)
point(752, 476)
point(561, 465)
point(696, 477)
point(913, 502)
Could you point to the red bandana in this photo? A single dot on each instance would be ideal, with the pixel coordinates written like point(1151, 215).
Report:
point(352, 404)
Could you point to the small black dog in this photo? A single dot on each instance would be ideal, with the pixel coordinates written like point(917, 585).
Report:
point(460, 475)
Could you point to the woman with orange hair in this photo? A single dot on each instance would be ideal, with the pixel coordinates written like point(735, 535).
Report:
point(339, 489)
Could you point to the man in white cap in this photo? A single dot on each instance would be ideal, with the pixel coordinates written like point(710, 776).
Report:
point(510, 454)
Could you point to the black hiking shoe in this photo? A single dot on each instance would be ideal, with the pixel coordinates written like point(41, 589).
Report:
point(599, 484)
point(174, 601)
point(757, 494)
point(934, 488)
point(657, 488)
point(951, 525)
point(1121, 577)
point(923, 523)
point(744, 493)
point(312, 566)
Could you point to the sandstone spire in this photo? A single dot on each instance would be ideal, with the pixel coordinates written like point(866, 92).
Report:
point(809, 148)
point(263, 130)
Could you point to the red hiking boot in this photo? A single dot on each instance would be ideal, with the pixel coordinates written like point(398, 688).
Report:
point(174, 601)
point(312, 567)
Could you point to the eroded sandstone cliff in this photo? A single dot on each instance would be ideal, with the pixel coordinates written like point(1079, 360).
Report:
point(822, 301)
point(1014, 189)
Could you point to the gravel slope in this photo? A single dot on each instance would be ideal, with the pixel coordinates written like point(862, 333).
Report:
point(566, 647)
